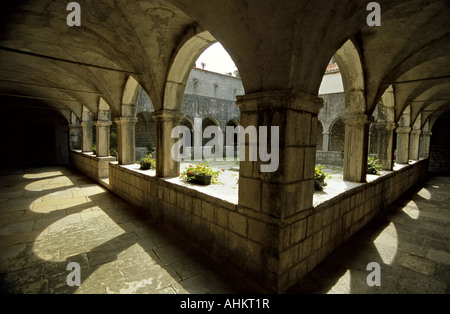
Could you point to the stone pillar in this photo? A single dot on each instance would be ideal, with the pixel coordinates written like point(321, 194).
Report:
point(403, 144)
point(126, 139)
point(75, 136)
point(386, 144)
point(414, 144)
point(424, 150)
point(103, 130)
point(326, 141)
point(285, 192)
point(356, 146)
point(166, 121)
point(87, 141)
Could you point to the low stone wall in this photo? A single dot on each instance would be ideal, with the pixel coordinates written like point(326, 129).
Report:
point(329, 158)
point(245, 238)
point(314, 235)
point(94, 167)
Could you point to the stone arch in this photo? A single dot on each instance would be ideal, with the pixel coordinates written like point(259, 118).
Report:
point(337, 134)
point(129, 98)
point(192, 46)
point(348, 58)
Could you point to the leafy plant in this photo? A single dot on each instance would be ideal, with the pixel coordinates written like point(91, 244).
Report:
point(319, 178)
point(374, 165)
point(201, 169)
point(151, 148)
point(94, 149)
point(147, 162)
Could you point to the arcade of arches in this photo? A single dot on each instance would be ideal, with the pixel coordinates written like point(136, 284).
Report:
point(57, 81)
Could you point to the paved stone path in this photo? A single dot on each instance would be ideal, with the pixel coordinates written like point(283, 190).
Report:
point(52, 216)
point(410, 241)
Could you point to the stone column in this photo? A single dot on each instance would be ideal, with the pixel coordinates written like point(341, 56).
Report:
point(403, 144)
point(326, 141)
point(87, 136)
point(75, 135)
point(126, 139)
point(356, 146)
point(414, 144)
point(103, 130)
point(166, 120)
point(386, 144)
point(269, 198)
point(424, 150)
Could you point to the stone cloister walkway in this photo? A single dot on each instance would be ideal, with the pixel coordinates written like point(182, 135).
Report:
point(52, 216)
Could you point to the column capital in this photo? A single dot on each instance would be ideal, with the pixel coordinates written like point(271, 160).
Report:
point(86, 123)
point(100, 123)
point(426, 133)
point(168, 115)
point(357, 119)
point(386, 126)
point(125, 120)
point(279, 99)
point(416, 131)
point(403, 130)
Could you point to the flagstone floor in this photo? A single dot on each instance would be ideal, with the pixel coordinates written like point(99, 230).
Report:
point(50, 217)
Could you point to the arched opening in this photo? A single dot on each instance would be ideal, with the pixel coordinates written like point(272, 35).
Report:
point(319, 136)
point(337, 135)
point(440, 146)
point(37, 136)
point(145, 128)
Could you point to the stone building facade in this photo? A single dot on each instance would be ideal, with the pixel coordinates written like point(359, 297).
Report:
point(211, 99)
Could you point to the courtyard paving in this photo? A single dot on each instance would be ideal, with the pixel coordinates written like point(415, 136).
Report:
point(52, 216)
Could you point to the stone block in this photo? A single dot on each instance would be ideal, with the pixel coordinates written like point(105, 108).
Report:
point(238, 223)
point(197, 207)
point(250, 193)
point(259, 231)
point(298, 231)
point(221, 217)
point(208, 211)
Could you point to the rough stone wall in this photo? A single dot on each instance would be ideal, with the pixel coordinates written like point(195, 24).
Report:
point(237, 236)
point(337, 136)
point(333, 107)
point(92, 166)
point(207, 94)
point(329, 158)
point(440, 147)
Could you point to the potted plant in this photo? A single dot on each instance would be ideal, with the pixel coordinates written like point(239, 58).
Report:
point(373, 165)
point(147, 162)
point(319, 178)
point(201, 174)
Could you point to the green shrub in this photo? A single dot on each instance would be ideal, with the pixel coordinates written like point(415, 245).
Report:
point(201, 169)
point(373, 165)
point(319, 178)
point(147, 162)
